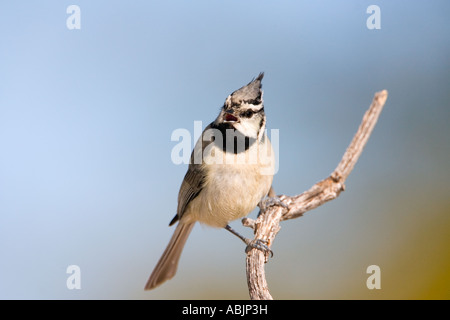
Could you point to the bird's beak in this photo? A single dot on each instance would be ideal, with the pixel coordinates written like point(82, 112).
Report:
point(228, 117)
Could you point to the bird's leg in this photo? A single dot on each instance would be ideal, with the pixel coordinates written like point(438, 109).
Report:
point(252, 244)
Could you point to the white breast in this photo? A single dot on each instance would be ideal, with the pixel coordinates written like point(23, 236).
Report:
point(234, 185)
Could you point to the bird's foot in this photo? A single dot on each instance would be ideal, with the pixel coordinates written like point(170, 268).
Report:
point(270, 202)
point(259, 244)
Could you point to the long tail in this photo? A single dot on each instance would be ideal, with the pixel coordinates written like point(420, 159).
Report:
point(167, 265)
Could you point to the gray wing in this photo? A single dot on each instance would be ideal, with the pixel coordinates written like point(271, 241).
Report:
point(194, 179)
point(191, 187)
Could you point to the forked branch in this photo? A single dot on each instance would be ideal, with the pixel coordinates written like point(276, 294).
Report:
point(267, 225)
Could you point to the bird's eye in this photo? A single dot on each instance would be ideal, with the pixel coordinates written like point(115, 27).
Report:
point(248, 113)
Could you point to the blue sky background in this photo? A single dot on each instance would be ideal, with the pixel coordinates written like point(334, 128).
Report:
point(86, 118)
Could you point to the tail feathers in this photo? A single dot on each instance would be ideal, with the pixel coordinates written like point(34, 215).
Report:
point(167, 265)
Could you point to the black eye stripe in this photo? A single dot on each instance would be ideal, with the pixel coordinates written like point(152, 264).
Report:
point(249, 113)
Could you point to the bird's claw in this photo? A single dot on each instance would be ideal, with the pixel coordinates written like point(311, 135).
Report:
point(272, 201)
point(261, 245)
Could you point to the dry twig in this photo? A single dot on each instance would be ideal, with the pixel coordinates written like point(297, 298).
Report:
point(267, 225)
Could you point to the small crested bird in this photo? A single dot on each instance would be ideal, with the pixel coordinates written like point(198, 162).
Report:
point(230, 171)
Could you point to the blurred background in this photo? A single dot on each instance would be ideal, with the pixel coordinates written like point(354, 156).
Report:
point(86, 117)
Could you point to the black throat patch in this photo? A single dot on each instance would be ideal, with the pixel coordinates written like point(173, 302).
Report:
point(231, 139)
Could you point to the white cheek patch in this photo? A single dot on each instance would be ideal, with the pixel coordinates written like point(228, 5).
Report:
point(254, 108)
point(248, 128)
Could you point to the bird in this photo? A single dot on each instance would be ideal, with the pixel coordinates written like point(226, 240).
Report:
point(230, 172)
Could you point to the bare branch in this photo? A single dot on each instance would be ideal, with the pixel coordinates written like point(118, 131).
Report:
point(267, 224)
